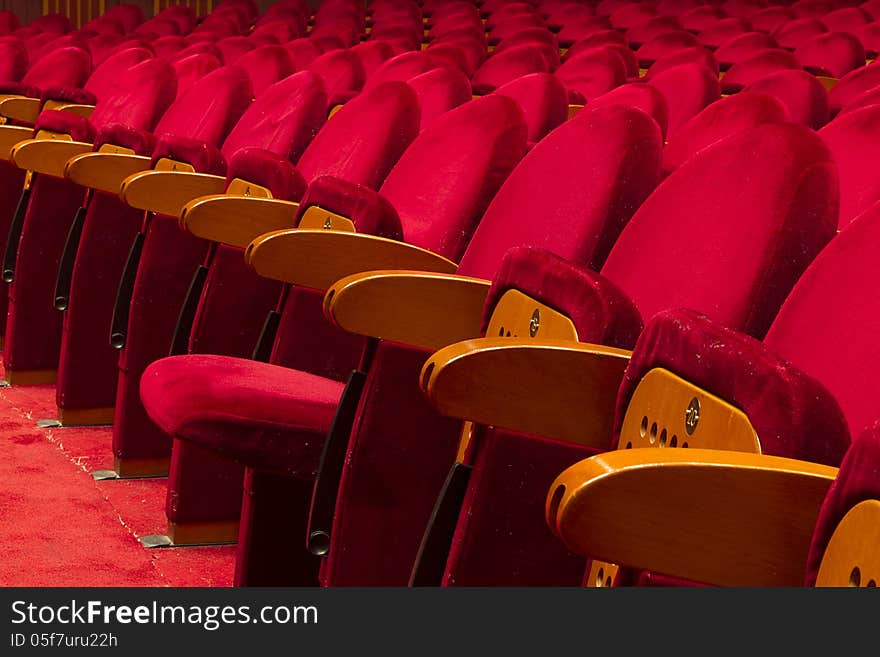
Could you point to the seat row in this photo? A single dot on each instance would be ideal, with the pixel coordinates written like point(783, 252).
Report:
point(304, 254)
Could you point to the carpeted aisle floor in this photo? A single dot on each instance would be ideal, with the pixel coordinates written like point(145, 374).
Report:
point(60, 527)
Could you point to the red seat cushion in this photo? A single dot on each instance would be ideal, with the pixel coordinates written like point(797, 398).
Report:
point(802, 94)
point(688, 89)
point(265, 416)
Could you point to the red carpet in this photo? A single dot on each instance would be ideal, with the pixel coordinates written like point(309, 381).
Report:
point(59, 527)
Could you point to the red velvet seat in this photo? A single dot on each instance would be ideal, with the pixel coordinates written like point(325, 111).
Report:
point(700, 18)
point(523, 553)
point(803, 95)
point(846, 19)
point(696, 55)
point(513, 63)
point(343, 74)
point(756, 67)
point(795, 33)
point(647, 30)
point(722, 30)
point(576, 30)
point(833, 54)
point(853, 85)
point(770, 19)
point(229, 285)
point(719, 120)
point(742, 47)
point(491, 135)
point(645, 97)
point(439, 90)
point(593, 72)
point(852, 138)
point(664, 45)
point(543, 99)
point(33, 332)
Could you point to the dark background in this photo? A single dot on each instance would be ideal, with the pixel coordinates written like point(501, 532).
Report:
point(27, 10)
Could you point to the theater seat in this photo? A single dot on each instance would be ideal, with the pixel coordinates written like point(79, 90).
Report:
point(39, 230)
point(282, 122)
point(852, 139)
point(817, 433)
point(482, 554)
point(803, 95)
point(229, 315)
point(688, 89)
point(719, 120)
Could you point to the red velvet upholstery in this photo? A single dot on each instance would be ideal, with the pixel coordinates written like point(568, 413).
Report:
point(688, 89)
point(543, 99)
point(769, 19)
point(605, 37)
point(802, 94)
point(756, 67)
point(721, 119)
point(846, 19)
point(231, 48)
point(793, 34)
point(856, 481)
point(575, 30)
point(486, 137)
point(792, 413)
point(342, 72)
point(266, 65)
point(827, 325)
point(192, 69)
point(593, 72)
point(722, 30)
point(853, 85)
point(852, 138)
point(742, 47)
point(378, 125)
point(513, 63)
point(285, 117)
point(779, 215)
point(695, 55)
point(439, 90)
point(13, 59)
point(646, 30)
point(833, 54)
point(700, 18)
point(665, 44)
point(65, 67)
point(271, 417)
point(869, 37)
point(34, 328)
point(583, 202)
point(645, 97)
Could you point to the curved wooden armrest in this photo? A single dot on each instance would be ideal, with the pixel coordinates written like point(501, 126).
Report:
point(319, 258)
point(417, 308)
point(10, 135)
point(236, 220)
point(713, 516)
point(104, 170)
point(21, 108)
point(166, 192)
point(84, 111)
point(47, 156)
point(555, 388)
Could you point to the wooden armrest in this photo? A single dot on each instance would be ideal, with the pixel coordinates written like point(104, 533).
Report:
point(416, 308)
point(319, 258)
point(10, 135)
point(47, 156)
point(555, 388)
point(84, 111)
point(104, 170)
point(718, 517)
point(236, 220)
point(21, 108)
point(166, 192)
